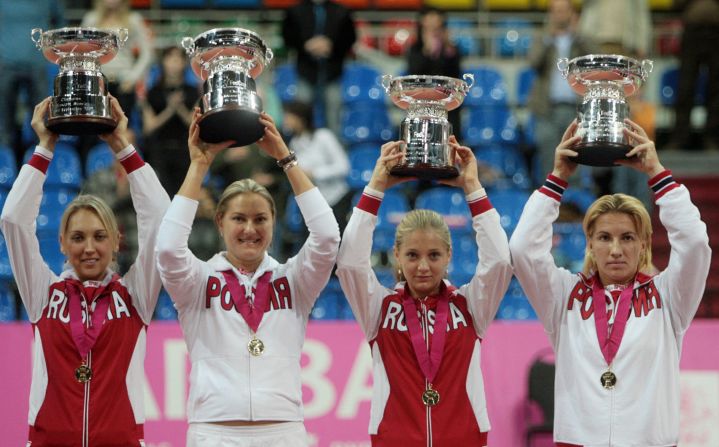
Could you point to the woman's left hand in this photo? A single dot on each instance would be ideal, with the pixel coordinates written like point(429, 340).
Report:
point(643, 157)
point(117, 139)
point(468, 178)
point(46, 137)
point(272, 142)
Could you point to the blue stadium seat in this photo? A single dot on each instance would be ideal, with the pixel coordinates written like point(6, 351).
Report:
point(246, 4)
point(8, 305)
point(361, 84)
point(8, 167)
point(362, 162)
point(363, 124)
point(461, 32)
point(330, 305)
point(570, 245)
point(450, 203)
point(508, 161)
point(581, 197)
point(490, 125)
point(165, 309)
point(99, 157)
point(294, 222)
point(285, 82)
point(464, 257)
point(509, 204)
point(50, 250)
point(53, 204)
point(489, 88)
point(515, 37)
point(5, 269)
point(515, 305)
point(525, 82)
point(394, 207)
point(65, 169)
point(670, 81)
point(179, 4)
point(386, 277)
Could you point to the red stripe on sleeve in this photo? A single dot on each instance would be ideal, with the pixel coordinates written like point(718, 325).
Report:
point(668, 188)
point(369, 203)
point(480, 206)
point(550, 193)
point(558, 181)
point(132, 162)
point(39, 162)
point(657, 178)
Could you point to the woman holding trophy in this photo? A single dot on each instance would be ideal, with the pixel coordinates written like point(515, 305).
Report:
point(243, 313)
point(617, 327)
point(89, 322)
point(425, 334)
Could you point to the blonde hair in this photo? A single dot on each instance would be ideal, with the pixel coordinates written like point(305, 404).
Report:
point(619, 203)
point(421, 220)
point(123, 11)
point(102, 211)
point(243, 186)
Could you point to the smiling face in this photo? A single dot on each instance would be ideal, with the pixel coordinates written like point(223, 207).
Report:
point(246, 227)
point(88, 245)
point(616, 247)
point(423, 258)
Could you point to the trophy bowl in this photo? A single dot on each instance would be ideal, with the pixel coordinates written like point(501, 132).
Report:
point(604, 81)
point(80, 103)
point(425, 131)
point(228, 60)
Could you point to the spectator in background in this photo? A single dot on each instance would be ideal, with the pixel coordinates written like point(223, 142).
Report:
point(552, 102)
point(322, 33)
point(166, 117)
point(700, 40)
point(433, 53)
point(22, 67)
point(618, 26)
point(321, 156)
point(126, 69)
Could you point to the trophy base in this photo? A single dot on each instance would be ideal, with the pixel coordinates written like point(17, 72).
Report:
point(231, 123)
point(81, 125)
point(425, 171)
point(600, 153)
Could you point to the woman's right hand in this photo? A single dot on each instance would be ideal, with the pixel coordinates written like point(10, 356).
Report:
point(391, 154)
point(47, 137)
point(200, 151)
point(563, 166)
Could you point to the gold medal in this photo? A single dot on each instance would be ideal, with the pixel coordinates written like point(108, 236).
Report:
point(256, 347)
point(608, 380)
point(430, 397)
point(83, 373)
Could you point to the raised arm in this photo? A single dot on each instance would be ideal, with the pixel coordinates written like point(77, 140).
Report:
point(180, 270)
point(494, 270)
point(310, 269)
point(544, 283)
point(150, 202)
point(32, 275)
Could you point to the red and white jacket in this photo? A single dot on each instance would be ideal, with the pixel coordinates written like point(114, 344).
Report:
point(643, 408)
point(226, 382)
point(398, 416)
point(108, 409)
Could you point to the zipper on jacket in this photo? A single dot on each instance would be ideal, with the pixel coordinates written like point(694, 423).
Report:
point(86, 406)
point(428, 409)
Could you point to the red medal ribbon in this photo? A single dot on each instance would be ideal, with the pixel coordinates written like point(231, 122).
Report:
point(251, 312)
point(85, 335)
point(609, 343)
point(428, 357)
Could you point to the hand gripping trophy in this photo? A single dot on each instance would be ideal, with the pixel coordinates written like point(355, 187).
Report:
point(229, 60)
point(604, 81)
point(425, 130)
point(80, 103)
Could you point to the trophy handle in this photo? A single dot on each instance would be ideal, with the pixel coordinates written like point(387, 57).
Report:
point(563, 65)
point(122, 35)
point(647, 67)
point(386, 80)
point(188, 43)
point(269, 55)
point(36, 36)
point(470, 83)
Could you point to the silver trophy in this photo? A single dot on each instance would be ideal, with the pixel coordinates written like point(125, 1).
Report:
point(80, 104)
point(425, 130)
point(604, 81)
point(229, 60)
